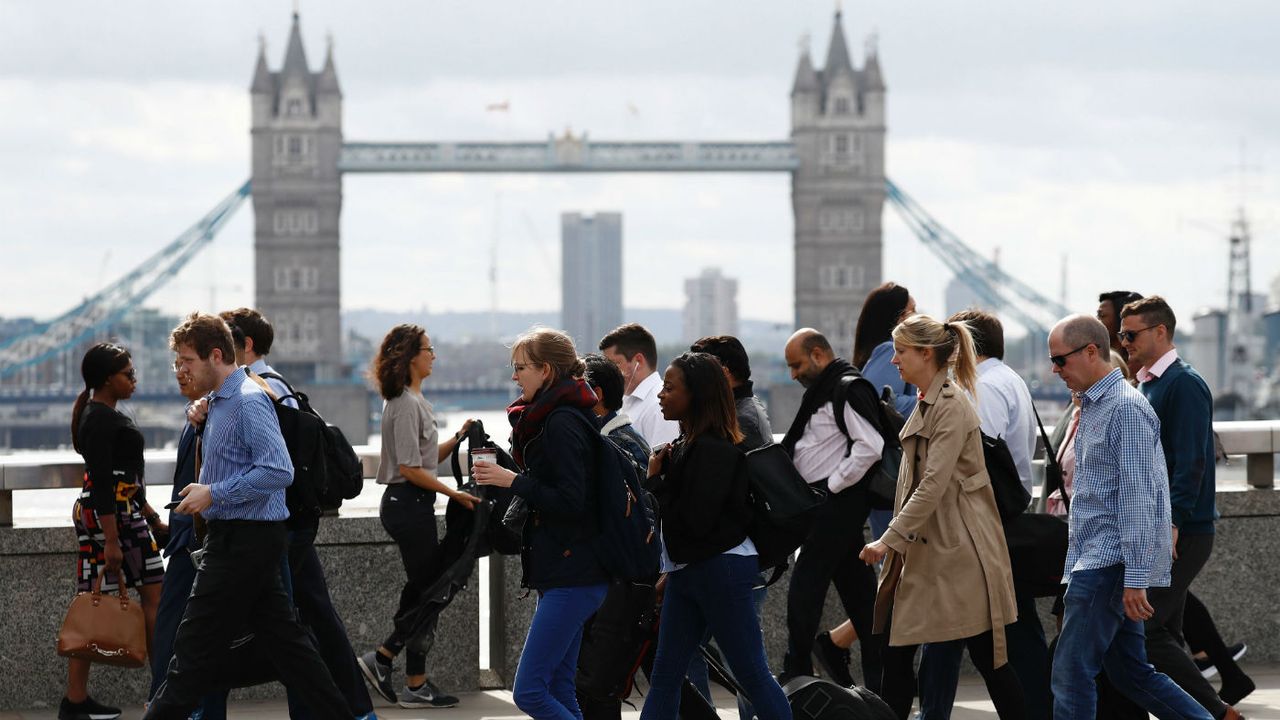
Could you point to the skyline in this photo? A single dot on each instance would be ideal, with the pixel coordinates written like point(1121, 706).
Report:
point(1094, 138)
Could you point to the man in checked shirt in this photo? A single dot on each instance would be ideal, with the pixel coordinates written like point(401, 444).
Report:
point(1120, 540)
point(240, 491)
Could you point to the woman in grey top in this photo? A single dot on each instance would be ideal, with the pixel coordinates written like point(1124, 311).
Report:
point(410, 453)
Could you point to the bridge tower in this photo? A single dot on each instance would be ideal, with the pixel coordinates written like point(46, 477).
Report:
point(837, 194)
point(297, 202)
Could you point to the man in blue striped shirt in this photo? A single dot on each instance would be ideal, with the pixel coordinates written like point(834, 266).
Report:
point(1120, 540)
point(240, 491)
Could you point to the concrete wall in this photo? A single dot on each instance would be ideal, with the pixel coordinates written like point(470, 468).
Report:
point(365, 577)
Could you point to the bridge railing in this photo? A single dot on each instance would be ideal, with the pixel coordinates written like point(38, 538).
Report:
point(1257, 440)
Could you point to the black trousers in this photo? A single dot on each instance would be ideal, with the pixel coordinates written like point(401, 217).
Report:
point(830, 556)
point(408, 515)
point(899, 686)
point(239, 584)
point(315, 609)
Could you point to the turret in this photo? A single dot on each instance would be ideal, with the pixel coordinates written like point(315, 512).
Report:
point(296, 84)
point(262, 92)
point(873, 86)
point(806, 92)
point(328, 92)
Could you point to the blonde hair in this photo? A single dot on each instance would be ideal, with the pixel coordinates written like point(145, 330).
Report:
point(552, 347)
point(952, 344)
point(1117, 362)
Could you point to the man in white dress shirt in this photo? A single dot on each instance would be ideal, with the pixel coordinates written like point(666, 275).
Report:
point(632, 348)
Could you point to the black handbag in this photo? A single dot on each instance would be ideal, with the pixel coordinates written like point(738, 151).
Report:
point(1012, 497)
point(1038, 541)
point(782, 504)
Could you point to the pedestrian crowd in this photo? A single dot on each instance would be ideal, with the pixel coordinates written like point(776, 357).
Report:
point(897, 440)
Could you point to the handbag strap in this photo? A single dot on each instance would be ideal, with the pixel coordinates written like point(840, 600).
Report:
point(97, 587)
point(1050, 459)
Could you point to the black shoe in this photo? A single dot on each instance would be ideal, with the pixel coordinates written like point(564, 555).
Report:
point(833, 660)
point(378, 674)
point(1208, 669)
point(427, 696)
point(90, 709)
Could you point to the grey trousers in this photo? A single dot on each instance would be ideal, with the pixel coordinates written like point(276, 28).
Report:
point(1165, 649)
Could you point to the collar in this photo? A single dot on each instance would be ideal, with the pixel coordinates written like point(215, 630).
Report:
point(647, 387)
point(930, 396)
point(231, 384)
point(1158, 369)
point(743, 391)
point(1102, 387)
point(988, 365)
point(260, 366)
point(613, 421)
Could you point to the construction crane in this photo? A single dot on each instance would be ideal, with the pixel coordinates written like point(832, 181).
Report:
point(1001, 291)
point(113, 302)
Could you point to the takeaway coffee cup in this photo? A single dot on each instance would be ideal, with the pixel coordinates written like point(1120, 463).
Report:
point(488, 455)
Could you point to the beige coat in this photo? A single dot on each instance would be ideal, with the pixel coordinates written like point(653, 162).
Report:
point(947, 575)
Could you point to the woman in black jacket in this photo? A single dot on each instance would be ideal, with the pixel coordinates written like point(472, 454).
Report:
point(700, 483)
point(552, 440)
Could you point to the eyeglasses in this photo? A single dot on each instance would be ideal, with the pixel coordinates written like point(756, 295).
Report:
point(430, 348)
point(1130, 335)
point(1061, 360)
point(521, 367)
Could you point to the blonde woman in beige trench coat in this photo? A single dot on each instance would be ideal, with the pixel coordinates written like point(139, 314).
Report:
point(946, 573)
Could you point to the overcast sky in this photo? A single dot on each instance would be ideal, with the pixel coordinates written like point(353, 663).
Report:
point(1110, 133)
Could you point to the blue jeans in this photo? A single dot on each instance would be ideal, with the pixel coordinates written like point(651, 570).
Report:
point(544, 687)
point(715, 593)
point(1096, 635)
point(1028, 655)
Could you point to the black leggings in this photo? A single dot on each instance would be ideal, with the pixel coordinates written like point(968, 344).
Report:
point(898, 688)
point(408, 515)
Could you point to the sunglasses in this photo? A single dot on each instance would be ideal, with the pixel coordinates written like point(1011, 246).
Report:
point(131, 373)
point(1130, 335)
point(1061, 360)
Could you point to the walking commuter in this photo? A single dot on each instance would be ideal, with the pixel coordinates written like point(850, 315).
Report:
point(1184, 406)
point(557, 480)
point(411, 452)
point(1120, 540)
point(240, 493)
point(252, 336)
point(1110, 305)
point(632, 348)
point(113, 521)
point(711, 564)
point(946, 573)
point(883, 308)
point(180, 572)
point(1004, 411)
point(837, 462)
point(753, 423)
point(606, 381)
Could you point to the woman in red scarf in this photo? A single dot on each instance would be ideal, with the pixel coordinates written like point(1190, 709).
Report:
point(554, 451)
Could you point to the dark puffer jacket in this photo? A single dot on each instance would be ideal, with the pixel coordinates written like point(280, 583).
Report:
point(558, 482)
point(702, 496)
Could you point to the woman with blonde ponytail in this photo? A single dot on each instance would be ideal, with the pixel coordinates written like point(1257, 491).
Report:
point(946, 574)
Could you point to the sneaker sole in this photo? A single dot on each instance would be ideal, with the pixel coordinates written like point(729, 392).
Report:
point(372, 678)
point(420, 704)
point(1212, 671)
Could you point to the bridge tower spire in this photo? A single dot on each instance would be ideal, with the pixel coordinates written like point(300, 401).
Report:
point(297, 202)
point(837, 193)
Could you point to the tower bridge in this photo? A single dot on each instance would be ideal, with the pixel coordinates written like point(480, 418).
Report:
point(835, 156)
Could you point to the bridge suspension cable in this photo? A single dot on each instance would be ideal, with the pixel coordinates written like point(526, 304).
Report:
point(1000, 290)
point(113, 302)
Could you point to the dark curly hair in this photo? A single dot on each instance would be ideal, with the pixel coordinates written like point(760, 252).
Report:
point(99, 364)
point(390, 368)
point(711, 406)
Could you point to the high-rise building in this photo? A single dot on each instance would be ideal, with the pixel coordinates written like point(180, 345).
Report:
point(711, 305)
point(590, 276)
point(297, 198)
point(837, 192)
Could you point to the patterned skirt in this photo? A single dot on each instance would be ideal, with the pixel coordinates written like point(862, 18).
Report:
point(142, 563)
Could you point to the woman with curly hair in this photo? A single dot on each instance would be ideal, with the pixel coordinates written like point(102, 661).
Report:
point(411, 451)
point(112, 517)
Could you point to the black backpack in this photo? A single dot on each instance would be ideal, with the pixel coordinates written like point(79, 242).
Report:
point(343, 470)
point(304, 439)
point(881, 478)
point(1012, 497)
point(497, 536)
point(627, 539)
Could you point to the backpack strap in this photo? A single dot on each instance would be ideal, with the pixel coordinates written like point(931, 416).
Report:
point(1050, 460)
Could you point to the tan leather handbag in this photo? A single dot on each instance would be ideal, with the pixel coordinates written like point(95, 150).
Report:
point(108, 630)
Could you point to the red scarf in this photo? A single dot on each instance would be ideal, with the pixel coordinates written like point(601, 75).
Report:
point(527, 418)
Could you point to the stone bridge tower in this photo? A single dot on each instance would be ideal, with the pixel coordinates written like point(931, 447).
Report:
point(297, 201)
point(837, 194)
